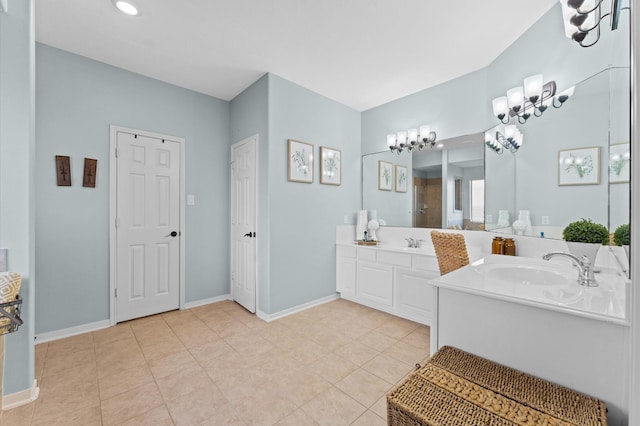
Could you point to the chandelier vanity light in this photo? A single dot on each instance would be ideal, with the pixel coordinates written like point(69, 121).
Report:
point(533, 97)
point(510, 138)
point(412, 139)
point(582, 18)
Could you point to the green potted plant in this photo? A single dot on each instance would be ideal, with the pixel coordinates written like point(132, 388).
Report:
point(622, 237)
point(584, 237)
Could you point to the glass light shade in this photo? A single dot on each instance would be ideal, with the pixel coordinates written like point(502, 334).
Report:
point(424, 131)
point(413, 135)
point(510, 131)
point(533, 86)
point(500, 106)
point(127, 7)
point(568, 92)
point(515, 97)
point(401, 137)
point(391, 140)
point(567, 14)
point(487, 137)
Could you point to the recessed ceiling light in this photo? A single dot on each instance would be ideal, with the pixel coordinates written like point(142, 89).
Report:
point(126, 7)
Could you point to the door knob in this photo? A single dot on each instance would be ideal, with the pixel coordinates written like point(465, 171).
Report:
point(173, 234)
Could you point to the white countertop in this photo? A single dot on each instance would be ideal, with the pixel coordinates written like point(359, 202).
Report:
point(545, 284)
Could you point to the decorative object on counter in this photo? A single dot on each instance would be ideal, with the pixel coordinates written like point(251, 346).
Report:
point(579, 166)
point(90, 171)
point(372, 227)
point(300, 161)
point(581, 17)
point(361, 226)
point(518, 227)
point(584, 238)
point(385, 176)
point(525, 217)
point(10, 302)
point(503, 219)
point(402, 177)
point(63, 170)
point(510, 247)
point(533, 97)
point(330, 166)
point(497, 245)
point(619, 163)
point(412, 138)
point(451, 251)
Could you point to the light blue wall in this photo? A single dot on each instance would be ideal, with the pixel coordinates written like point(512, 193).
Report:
point(249, 116)
point(16, 180)
point(451, 109)
point(303, 216)
point(77, 100)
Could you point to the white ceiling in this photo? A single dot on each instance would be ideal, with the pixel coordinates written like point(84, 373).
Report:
point(362, 53)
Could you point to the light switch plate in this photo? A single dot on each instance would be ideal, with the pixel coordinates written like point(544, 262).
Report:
point(545, 220)
point(489, 218)
point(191, 199)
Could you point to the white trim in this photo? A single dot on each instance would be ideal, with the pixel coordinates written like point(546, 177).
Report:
point(285, 313)
point(14, 400)
point(634, 344)
point(257, 209)
point(208, 301)
point(113, 130)
point(71, 331)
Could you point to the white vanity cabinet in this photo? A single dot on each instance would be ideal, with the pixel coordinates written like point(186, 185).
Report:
point(391, 280)
point(346, 270)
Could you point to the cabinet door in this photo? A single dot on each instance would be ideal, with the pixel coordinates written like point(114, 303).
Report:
point(346, 276)
point(414, 295)
point(375, 282)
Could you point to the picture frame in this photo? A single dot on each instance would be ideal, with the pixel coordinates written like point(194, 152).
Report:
point(330, 166)
point(385, 176)
point(619, 163)
point(90, 171)
point(300, 161)
point(402, 176)
point(63, 170)
point(579, 166)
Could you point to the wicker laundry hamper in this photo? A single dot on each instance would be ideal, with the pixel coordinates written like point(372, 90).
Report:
point(456, 388)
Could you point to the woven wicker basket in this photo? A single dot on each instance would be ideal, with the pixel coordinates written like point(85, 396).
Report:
point(451, 251)
point(456, 388)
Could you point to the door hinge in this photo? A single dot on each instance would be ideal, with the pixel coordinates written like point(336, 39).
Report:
point(117, 222)
point(117, 152)
point(115, 293)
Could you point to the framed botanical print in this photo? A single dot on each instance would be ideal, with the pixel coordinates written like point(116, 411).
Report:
point(401, 178)
point(300, 161)
point(330, 166)
point(385, 176)
point(579, 166)
point(619, 163)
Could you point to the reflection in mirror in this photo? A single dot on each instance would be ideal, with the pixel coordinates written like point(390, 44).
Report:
point(440, 195)
point(562, 173)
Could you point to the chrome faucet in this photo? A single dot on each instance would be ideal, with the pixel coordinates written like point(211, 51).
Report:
point(585, 270)
point(414, 242)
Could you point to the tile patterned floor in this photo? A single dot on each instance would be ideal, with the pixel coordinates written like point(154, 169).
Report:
point(219, 365)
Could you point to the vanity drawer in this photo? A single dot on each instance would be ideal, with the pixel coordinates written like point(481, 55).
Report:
point(426, 263)
point(342, 251)
point(368, 255)
point(392, 258)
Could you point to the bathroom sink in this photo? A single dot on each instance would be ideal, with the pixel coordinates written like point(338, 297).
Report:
point(528, 275)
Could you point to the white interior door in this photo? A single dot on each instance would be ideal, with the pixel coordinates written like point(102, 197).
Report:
point(243, 222)
point(147, 225)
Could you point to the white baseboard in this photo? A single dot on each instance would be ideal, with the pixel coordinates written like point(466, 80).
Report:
point(270, 317)
point(71, 331)
point(14, 400)
point(208, 301)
